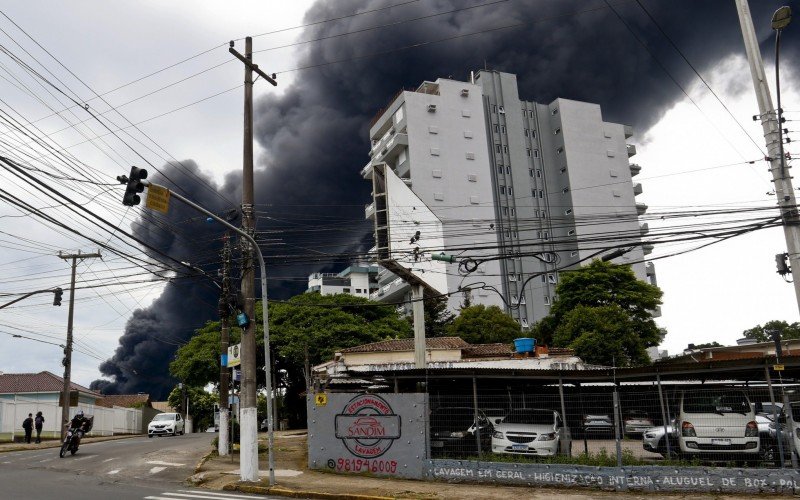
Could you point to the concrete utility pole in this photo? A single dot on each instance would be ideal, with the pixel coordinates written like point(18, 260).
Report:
point(249, 412)
point(770, 123)
point(224, 313)
point(68, 348)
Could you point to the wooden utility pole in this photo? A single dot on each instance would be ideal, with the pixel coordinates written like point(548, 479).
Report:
point(224, 314)
point(248, 440)
point(68, 349)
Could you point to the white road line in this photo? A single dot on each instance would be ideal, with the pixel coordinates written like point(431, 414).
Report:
point(156, 470)
point(6, 462)
point(216, 495)
point(205, 494)
point(168, 464)
point(45, 460)
point(115, 471)
point(84, 458)
point(109, 459)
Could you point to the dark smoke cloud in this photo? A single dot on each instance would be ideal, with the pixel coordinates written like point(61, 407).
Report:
point(315, 133)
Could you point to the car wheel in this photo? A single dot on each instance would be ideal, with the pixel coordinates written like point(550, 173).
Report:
point(150, 436)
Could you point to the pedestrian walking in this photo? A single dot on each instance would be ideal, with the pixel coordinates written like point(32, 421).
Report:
point(27, 424)
point(39, 423)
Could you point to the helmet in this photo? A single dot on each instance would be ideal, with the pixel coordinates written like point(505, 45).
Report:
point(79, 414)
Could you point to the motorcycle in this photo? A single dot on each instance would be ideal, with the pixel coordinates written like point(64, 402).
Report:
point(71, 442)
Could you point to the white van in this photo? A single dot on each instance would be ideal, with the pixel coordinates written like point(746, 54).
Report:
point(717, 425)
point(166, 424)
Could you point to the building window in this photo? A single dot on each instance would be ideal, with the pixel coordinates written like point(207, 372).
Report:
point(546, 235)
point(563, 169)
point(538, 174)
point(546, 300)
point(541, 193)
point(530, 153)
point(535, 153)
point(502, 129)
point(358, 290)
point(502, 190)
point(565, 190)
point(510, 190)
point(508, 169)
point(554, 111)
point(500, 169)
point(557, 131)
point(497, 148)
point(530, 172)
point(497, 128)
point(533, 134)
point(505, 148)
point(524, 323)
point(571, 232)
point(530, 113)
point(512, 277)
point(514, 234)
point(544, 279)
point(505, 210)
point(345, 290)
point(567, 211)
point(543, 214)
point(494, 108)
point(526, 132)
point(519, 276)
point(513, 212)
point(574, 253)
point(559, 150)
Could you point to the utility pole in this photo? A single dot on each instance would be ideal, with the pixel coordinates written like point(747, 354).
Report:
point(224, 313)
point(770, 123)
point(249, 409)
point(68, 348)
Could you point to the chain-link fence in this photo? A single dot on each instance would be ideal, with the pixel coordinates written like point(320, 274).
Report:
point(612, 424)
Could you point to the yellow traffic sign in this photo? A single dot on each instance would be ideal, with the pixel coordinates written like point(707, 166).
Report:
point(158, 198)
point(321, 399)
point(777, 368)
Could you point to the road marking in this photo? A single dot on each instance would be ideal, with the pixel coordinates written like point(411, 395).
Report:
point(168, 464)
point(109, 459)
point(214, 494)
point(84, 458)
point(156, 470)
point(115, 471)
point(45, 460)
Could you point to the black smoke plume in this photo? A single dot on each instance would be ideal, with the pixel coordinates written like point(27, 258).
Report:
point(308, 189)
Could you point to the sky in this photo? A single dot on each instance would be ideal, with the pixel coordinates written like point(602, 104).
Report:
point(311, 141)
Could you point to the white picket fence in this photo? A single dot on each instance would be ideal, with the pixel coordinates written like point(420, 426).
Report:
point(107, 421)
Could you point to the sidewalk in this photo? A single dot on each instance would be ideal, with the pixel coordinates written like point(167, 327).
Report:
point(293, 479)
point(55, 443)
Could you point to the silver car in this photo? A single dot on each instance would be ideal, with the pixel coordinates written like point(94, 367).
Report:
point(654, 442)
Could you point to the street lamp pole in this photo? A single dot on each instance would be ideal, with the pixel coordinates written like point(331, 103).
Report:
point(265, 320)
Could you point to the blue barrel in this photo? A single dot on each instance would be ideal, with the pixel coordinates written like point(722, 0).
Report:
point(524, 344)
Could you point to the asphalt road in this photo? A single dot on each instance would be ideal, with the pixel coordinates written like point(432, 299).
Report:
point(136, 468)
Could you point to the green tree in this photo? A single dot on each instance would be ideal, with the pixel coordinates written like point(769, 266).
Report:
point(706, 345)
point(197, 361)
point(484, 325)
point(201, 405)
point(437, 317)
point(603, 312)
point(787, 331)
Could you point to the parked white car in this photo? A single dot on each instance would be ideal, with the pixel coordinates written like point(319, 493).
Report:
point(166, 424)
point(718, 425)
point(528, 431)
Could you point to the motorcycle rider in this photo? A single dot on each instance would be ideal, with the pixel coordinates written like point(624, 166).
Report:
point(82, 425)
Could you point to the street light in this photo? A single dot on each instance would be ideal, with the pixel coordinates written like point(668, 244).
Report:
point(780, 20)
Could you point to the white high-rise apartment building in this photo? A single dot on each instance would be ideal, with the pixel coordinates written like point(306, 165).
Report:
point(512, 179)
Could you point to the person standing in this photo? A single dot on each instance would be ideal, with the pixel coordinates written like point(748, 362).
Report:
point(27, 424)
point(38, 423)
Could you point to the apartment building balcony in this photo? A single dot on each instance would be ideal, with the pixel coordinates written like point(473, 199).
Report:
point(393, 291)
point(396, 144)
point(366, 172)
point(650, 270)
point(647, 248)
point(628, 131)
point(637, 189)
point(644, 228)
point(641, 208)
point(631, 149)
point(635, 169)
point(369, 210)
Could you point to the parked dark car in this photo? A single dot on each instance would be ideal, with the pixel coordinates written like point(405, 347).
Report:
point(597, 425)
point(453, 431)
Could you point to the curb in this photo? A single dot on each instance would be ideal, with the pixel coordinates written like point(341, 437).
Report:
point(285, 492)
point(206, 457)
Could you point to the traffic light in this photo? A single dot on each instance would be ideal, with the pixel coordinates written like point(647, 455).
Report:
point(135, 186)
point(57, 294)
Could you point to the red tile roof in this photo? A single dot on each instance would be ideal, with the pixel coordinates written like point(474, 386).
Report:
point(487, 350)
point(408, 345)
point(124, 400)
point(13, 383)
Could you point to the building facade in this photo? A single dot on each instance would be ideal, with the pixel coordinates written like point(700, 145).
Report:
point(523, 189)
point(358, 279)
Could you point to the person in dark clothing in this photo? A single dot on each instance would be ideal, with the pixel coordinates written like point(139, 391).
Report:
point(27, 424)
point(39, 423)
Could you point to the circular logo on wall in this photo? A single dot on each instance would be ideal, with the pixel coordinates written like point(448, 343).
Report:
point(367, 426)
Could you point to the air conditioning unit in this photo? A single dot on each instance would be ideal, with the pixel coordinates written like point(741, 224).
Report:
point(464, 92)
point(431, 108)
point(501, 110)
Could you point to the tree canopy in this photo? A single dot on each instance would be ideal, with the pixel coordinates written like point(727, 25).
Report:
point(604, 313)
point(484, 325)
point(201, 405)
point(787, 331)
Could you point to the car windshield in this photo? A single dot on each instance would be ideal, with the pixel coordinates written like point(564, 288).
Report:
point(533, 417)
point(163, 416)
point(705, 402)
